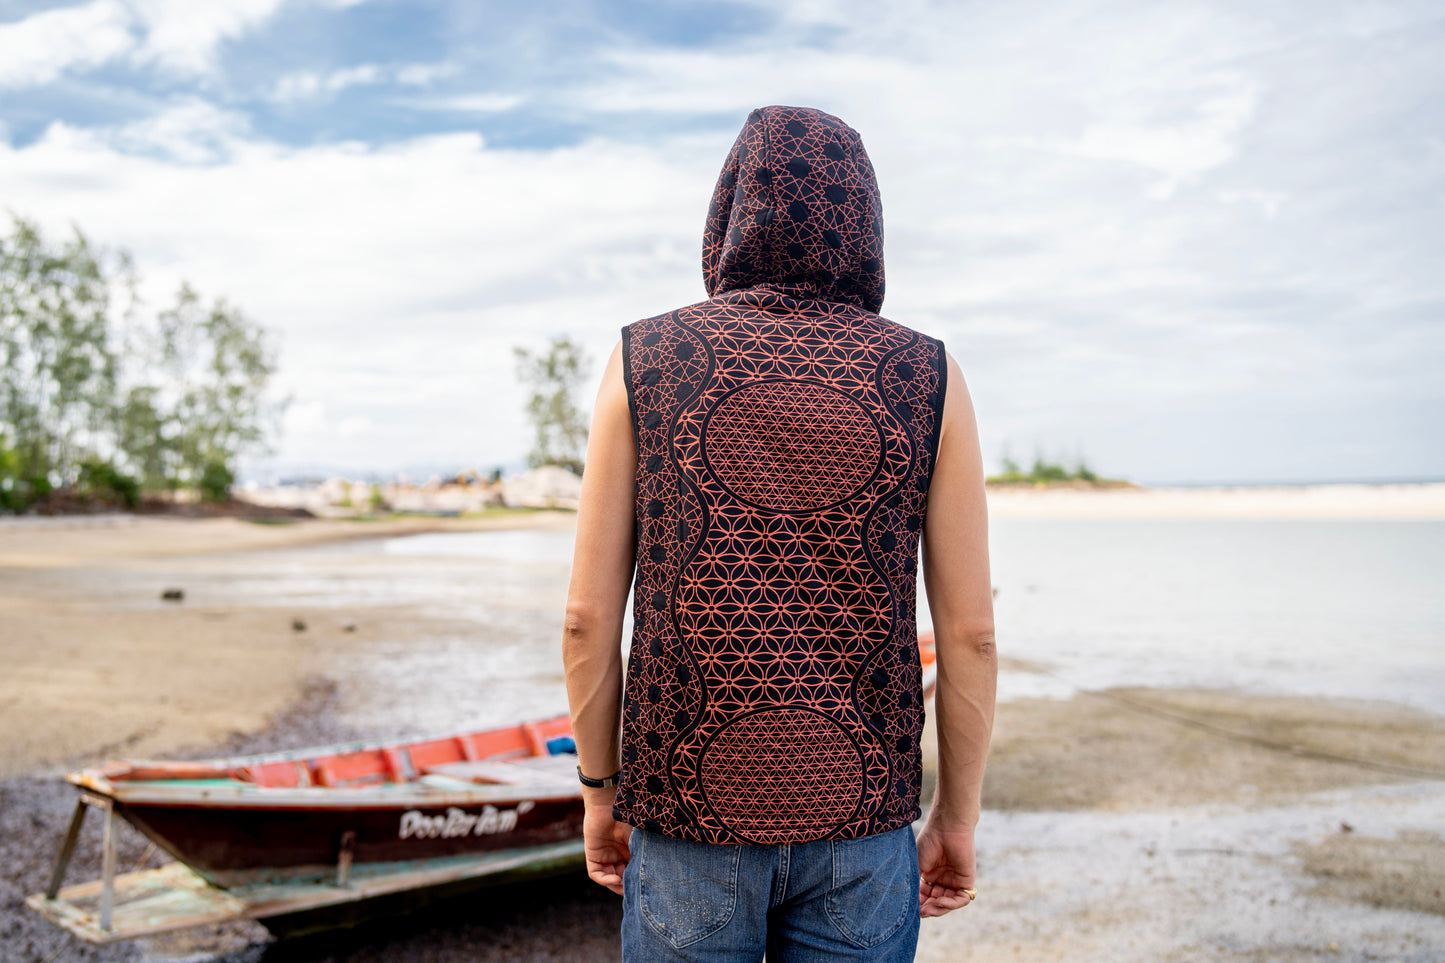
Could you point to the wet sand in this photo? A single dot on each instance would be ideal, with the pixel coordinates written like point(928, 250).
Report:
point(98, 664)
point(77, 540)
point(1175, 825)
point(1127, 824)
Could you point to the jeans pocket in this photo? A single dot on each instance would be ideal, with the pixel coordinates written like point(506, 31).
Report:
point(875, 886)
point(687, 890)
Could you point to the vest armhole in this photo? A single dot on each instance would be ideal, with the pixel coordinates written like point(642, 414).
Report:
point(940, 365)
point(627, 383)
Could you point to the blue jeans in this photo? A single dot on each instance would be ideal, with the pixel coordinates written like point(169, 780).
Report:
point(846, 899)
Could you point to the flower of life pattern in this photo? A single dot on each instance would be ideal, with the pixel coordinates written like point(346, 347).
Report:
point(761, 442)
point(786, 436)
point(822, 772)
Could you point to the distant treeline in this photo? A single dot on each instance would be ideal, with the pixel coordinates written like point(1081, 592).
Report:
point(105, 401)
point(1043, 472)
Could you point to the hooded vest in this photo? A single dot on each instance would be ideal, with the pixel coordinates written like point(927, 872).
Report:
point(786, 436)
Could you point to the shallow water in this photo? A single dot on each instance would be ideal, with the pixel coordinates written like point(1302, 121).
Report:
point(1340, 608)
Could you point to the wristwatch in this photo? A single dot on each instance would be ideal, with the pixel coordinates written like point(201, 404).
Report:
point(607, 783)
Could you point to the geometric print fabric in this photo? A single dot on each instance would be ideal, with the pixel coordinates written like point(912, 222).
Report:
point(761, 443)
point(786, 437)
point(785, 447)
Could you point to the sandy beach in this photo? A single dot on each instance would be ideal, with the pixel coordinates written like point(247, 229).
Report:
point(1121, 823)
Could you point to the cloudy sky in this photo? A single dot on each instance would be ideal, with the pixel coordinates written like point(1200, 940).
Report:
point(1192, 241)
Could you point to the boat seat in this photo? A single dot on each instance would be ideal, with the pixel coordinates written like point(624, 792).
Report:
point(503, 773)
point(435, 780)
point(563, 765)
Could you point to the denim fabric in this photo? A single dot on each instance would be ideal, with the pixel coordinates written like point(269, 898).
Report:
point(845, 899)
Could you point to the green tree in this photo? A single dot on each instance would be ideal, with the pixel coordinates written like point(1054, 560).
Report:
point(145, 436)
point(1046, 471)
point(201, 404)
point(559, 425)
point(99, 401)
point(57, 363)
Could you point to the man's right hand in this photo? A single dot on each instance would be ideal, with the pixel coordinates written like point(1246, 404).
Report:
point(946, 865)
point(604, 840)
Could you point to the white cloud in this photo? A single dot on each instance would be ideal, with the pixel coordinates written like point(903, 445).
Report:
point(422, 75)
point(354, 427)
point(183, 35)
point(180, 36)
point(313, 85)
point(1179, 151)
point(1125, 221)
point(41, 47)
point(398, 277)
point(1268, 202)
point(306, 85)
point(465, 103)
point(190, 131)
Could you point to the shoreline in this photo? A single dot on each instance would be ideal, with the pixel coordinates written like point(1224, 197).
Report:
point(69, 541)
point(72, 540)
point(1107, 813)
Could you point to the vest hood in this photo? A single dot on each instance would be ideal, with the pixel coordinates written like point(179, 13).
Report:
point(797, 205)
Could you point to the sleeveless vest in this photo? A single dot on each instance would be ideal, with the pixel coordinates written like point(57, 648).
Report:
point(786, 436)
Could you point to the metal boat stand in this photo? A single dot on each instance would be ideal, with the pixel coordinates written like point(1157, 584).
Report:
point(107, 857)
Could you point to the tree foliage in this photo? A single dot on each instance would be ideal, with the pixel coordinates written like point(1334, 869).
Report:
point(187, 416)
point(100, 400)
point(1044, 472)
point(57, 360)
point(559, 425)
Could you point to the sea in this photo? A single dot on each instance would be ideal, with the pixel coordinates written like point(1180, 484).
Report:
point(1337, 608)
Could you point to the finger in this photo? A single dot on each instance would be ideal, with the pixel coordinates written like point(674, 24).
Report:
point(605, 866)
point(938, 905)
point(938, 889)
point(609, 880)
point(950, 879)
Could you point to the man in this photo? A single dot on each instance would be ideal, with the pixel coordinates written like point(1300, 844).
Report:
point(767, 462)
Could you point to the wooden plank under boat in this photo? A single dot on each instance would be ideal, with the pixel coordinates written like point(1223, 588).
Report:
point(279, 834)
point(172, 897)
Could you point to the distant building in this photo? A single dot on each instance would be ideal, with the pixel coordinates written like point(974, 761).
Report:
point(465, 492)
point(545, 487)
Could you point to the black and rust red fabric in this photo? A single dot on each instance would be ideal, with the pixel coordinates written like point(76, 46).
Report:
point(786, 436)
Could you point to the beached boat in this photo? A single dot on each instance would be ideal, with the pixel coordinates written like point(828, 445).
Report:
point(928, 659)
point(275, 835)
point(310, 838)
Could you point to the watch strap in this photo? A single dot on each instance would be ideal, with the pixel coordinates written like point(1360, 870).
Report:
point(607, 783)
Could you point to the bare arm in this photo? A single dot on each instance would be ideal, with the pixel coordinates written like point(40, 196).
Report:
point(602, 563)
point(956, 573)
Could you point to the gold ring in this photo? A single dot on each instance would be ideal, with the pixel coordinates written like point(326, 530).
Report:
point(972, 894)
